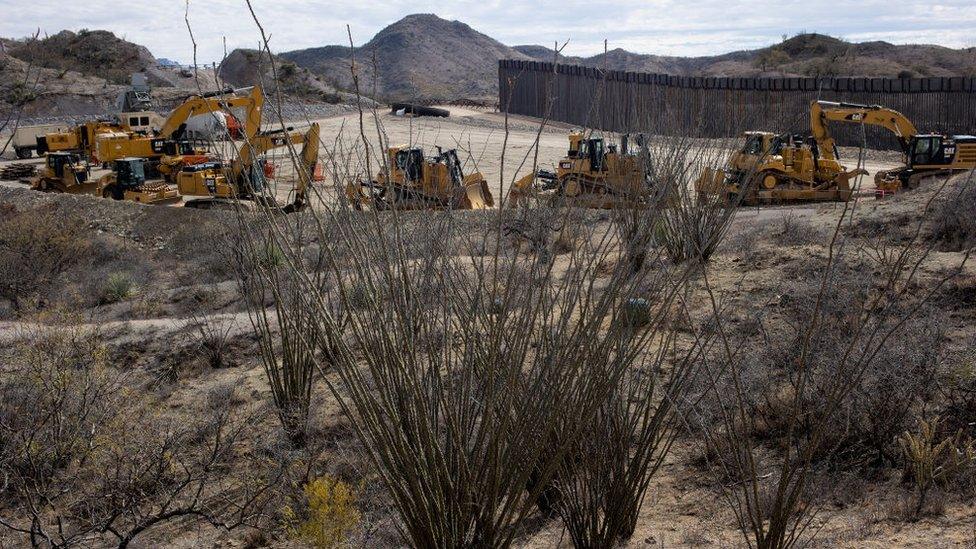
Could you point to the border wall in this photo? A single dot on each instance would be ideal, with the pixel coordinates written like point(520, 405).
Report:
point(724, 106)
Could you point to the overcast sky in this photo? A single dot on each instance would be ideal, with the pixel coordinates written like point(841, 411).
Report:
point(666, 27)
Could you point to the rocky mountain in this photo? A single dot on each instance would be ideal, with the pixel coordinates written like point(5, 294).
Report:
point(245, 67)
point(801, 55)
point(419, 57)
point(89, 52)
point(70, 75)
point(82, 74)
point(425, 57)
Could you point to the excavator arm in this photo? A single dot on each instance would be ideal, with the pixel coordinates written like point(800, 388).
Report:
point(308, 157)
point(212, 102)
point(822, 112)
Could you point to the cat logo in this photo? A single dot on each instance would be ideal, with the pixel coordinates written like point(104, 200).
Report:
point(857, 117)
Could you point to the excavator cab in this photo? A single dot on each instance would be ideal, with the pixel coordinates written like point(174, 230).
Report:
point(411, 163)
point(926, 149)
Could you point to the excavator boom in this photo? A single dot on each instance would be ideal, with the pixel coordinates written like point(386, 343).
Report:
point(822, 112)
point(213, 102)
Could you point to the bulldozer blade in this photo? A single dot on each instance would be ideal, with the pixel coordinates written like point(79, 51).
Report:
point(478, 195)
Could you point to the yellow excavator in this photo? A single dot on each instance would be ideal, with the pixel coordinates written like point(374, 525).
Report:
point(778, 168)
point(925, 154)
point(64, 172)
point(217, 185)
point(412, 181)
point(166, 151)
point(592, 174)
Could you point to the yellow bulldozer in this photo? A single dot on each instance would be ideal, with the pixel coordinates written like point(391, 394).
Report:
point(413, 181)
point(592, 174)
point(782, 168)
point(64, 172)
point(779, 168)
point(216, 184)
point(925, 154)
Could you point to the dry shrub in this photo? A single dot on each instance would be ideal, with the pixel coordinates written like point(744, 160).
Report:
point(210, 335)
point(882, 401)
point(858, 355)
point(472, 379)
point(36, 247)
point(87, 460)
point(957, 389)
point(691, 226)
point(117, 287)
point(955, 224)
point(793, 230)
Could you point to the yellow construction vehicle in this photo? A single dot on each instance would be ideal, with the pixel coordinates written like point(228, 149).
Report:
point(925, 154)
point(166, 151)
point(80, 139)
point(64, 172)
point(592, 174)
point(772, 168)
point(84, 138)
point(220, 185)
point(412, 181)
point(128, 182)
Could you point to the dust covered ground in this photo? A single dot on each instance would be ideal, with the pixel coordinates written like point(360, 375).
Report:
point(154, 281)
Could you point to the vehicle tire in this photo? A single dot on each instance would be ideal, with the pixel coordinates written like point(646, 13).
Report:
point(109, 192)
point(23, 153)
point(419, 110)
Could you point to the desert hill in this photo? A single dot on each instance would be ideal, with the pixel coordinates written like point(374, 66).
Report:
point(420, 56)
point(801, 55)
point(425, 57)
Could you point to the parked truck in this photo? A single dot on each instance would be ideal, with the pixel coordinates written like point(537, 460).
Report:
point(24, 140)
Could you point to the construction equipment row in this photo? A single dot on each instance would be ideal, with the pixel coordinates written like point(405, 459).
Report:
point(778, 168)
point(768, 168)
point(146, 166)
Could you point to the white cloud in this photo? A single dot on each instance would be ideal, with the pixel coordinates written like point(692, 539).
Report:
point(670, 27)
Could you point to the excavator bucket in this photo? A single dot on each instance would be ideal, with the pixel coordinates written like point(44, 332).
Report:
point(477, 195)
point(843, 179)
point(521, 190)
point(355, 194)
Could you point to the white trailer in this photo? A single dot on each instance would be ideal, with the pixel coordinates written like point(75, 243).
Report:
point(24, 140)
